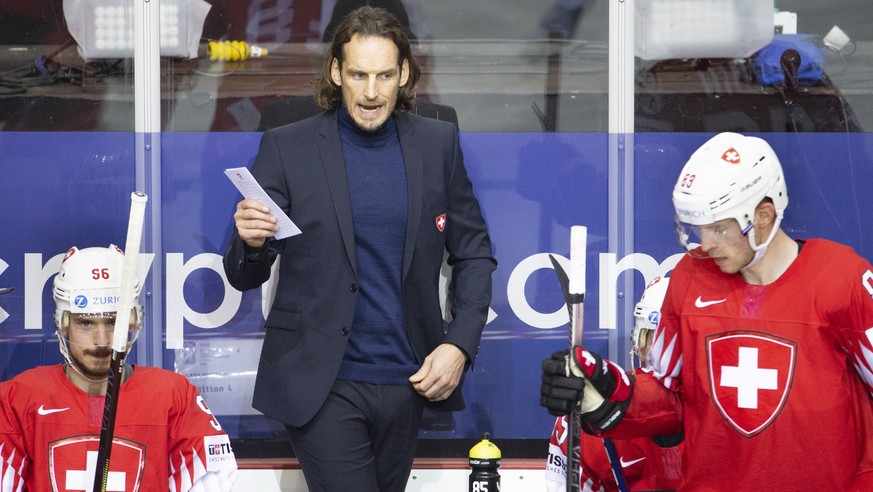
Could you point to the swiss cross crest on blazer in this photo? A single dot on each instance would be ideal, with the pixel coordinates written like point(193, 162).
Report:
point(441, 222)
point(750, 376)
point(73, 463)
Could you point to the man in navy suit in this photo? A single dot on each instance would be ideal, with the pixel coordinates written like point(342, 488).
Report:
point(355, 344)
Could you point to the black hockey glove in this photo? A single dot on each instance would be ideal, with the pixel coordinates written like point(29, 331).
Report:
point(559, 393)
point(602, 403)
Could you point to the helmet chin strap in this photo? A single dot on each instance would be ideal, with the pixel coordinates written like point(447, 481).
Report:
point(761, 249)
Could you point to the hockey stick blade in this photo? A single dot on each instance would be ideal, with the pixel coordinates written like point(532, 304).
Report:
point(564, 280)
point(120, 336)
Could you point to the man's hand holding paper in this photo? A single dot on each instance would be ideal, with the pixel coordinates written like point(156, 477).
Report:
point(258, 217)
point(254, 222)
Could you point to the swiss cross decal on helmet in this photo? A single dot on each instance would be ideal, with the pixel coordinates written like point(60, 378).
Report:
point(731, 155)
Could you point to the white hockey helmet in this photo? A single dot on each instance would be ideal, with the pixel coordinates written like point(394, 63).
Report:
point(726, 178)
point(88, 283)
point(647, 315)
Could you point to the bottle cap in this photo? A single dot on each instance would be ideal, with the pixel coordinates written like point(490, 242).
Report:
point(485, 449)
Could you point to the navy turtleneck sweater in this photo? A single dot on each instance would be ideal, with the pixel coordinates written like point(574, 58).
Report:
point(378, 351)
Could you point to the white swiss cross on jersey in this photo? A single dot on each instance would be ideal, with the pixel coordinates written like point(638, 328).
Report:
point(73, 463)
point(750, 374)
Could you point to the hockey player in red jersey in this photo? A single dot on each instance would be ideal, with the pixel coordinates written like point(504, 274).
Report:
point(166, 438)
point(763, 355)
point(644, 464)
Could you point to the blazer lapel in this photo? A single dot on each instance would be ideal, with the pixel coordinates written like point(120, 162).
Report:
point(330, 147)
point(414, 182)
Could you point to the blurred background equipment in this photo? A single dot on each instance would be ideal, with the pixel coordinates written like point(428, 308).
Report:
point(669, 29)
point(836, 39)
point(105, 29)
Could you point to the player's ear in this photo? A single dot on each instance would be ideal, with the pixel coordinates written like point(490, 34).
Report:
point(765, 213)
point(335, 72)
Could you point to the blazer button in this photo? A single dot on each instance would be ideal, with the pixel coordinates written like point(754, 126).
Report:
point(345, 332)
point(353, 287)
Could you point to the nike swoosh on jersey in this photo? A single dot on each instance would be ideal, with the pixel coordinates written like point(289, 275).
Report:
point(48, 411)
point(625, 464)
point(699, 302)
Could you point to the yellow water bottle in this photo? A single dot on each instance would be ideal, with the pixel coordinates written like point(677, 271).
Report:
point(234, 51)
point(485, 460)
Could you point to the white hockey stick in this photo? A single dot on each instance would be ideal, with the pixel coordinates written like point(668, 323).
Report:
point(120, 336)
point(574, 293)
point(576, 300)
point(573, 288)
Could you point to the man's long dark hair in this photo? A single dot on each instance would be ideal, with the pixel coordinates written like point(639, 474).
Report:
point(367, 21)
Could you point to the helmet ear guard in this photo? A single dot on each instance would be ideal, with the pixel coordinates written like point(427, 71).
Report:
point(727, 178)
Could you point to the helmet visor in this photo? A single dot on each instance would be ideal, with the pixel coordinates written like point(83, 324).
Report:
point(98, 329)
point(86, 342)
point(698, 240)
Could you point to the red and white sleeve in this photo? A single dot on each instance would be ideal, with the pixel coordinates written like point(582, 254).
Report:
point(665, 356)
point(860, 343)
point(201, 458)
point(13, 458)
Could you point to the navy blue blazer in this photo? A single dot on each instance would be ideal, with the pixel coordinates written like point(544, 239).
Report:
point(301, 167)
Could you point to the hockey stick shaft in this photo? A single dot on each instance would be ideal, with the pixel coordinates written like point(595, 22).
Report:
point(574, 292)
point(576, 298)
point(578, 251)
point(578, 242)
point(615, 464)
point(120, 336)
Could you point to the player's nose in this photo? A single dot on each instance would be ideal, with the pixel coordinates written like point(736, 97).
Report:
point(103, 334)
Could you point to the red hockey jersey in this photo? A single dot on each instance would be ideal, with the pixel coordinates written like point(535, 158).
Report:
point(166, 438)
point(645, 465)
point(771, 383)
